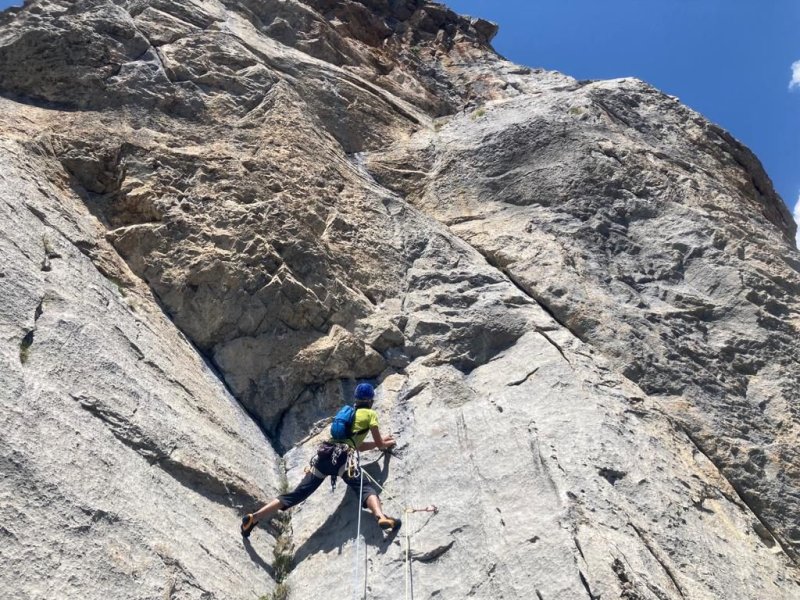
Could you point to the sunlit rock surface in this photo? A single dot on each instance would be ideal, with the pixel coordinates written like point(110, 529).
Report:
point(579, 301)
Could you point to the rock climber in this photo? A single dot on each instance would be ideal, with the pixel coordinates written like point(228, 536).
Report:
point(337, 457)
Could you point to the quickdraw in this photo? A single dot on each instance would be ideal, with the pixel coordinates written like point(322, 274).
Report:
point(431, 509)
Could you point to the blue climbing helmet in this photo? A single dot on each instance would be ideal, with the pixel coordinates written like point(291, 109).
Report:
point(364, 391)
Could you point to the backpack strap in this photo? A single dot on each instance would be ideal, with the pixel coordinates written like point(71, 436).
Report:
point(358, 431)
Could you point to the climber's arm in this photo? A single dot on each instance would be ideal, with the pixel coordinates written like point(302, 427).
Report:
point(380, 442)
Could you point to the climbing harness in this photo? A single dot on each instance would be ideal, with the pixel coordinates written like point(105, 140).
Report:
point(334, 451)
point(353, 465)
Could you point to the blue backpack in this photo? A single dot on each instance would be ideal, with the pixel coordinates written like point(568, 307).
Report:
point(342, 426)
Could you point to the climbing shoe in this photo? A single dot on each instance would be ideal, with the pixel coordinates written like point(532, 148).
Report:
point(248, 524)
point(389, 523)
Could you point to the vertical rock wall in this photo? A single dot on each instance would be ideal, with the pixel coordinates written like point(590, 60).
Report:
point(579, 301)
point(663, 246)
point(125, 462)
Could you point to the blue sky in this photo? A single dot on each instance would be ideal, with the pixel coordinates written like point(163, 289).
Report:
point(729, 59)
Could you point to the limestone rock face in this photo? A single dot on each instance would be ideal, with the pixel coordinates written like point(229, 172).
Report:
point(579, 302)
point(661, 244)
point(122, 454)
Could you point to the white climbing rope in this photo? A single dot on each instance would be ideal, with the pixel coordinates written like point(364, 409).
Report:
point(409, 591)
point(358, 539)
point(407, 512)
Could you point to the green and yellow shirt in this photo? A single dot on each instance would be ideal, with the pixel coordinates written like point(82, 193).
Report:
point(366, 419)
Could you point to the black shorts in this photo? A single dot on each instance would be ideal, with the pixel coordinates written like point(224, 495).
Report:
point(327, 468)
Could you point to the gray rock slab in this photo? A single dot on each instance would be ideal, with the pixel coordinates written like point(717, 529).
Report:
point(126, 464)
point(578, 301)
point(664, 246)
point(552, 478)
